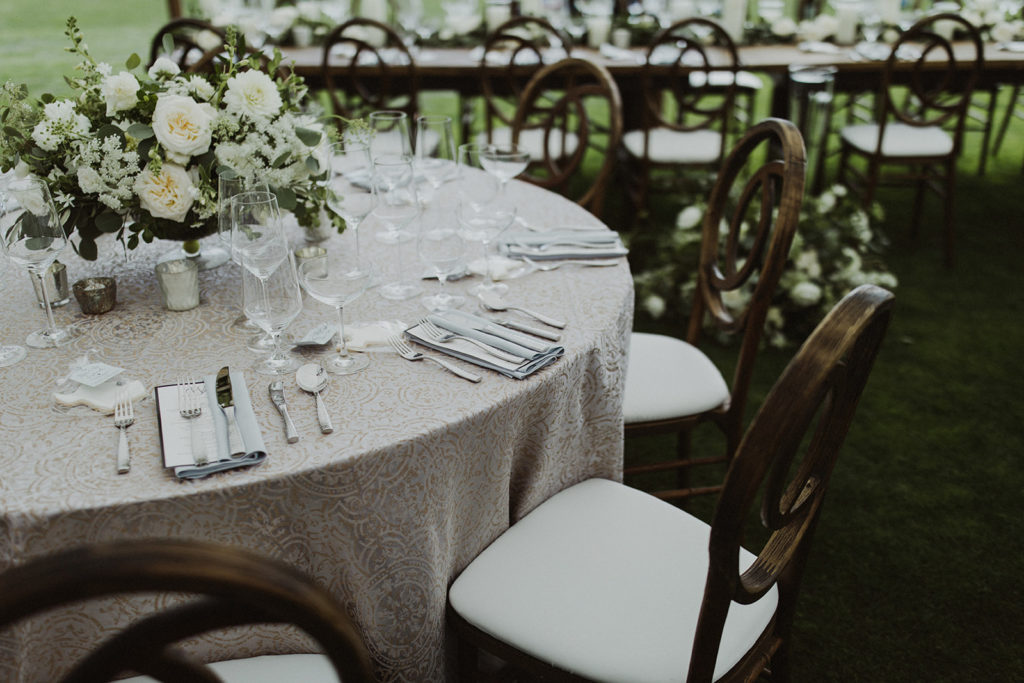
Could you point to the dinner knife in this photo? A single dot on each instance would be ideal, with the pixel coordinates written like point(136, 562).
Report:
point(226, 400)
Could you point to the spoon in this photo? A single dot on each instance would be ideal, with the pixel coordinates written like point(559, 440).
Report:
point(493, 302)
point(312, 378)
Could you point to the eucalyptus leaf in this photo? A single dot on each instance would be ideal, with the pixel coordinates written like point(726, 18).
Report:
point(108, 221)
point(226, 172)
point(280, 161)
point(140, 131)
point(87, 249)
point(310, 138)
point(133, 61)
point(286, 199)
point(313, 165)
point(109, 130)
point(133, 240)
point(12, 132)
point(46, 98)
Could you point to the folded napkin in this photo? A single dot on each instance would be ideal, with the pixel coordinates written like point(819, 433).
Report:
point(502, 268)
point(562, 244)
point(365, 336)
point(535, 353)
point(175, 431)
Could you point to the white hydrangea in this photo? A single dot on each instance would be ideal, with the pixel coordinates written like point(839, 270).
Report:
point(61, 123)
point(254, 94)
point(690, 217)
point(805, 293)
point(120, 92)
point(163, 68)
point(654, 305)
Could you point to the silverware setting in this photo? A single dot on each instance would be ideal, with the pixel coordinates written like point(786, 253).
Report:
point(312, 378)
point(494, 302)
point(403, 349)
point(276, 390)
point(433, 333)
point(226, 400)
point(554, 265)
point(124, 417)
point(190, 407)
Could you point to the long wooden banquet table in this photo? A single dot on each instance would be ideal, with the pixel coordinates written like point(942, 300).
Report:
point(458, 69)
point(423, 469)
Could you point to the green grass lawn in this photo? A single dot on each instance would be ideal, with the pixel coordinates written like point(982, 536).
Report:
point(914, 574)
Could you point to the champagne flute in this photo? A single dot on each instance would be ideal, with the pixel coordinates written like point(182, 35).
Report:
point(505, 162)
point(273, 301)
point(441, 247)
point(435, 150)
point(390, 133)
point(32, 237)
point(350, 159)
point(397, 207)
point(339, 285)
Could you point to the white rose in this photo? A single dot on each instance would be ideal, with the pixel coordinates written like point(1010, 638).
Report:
point(253, 93)
point(805, 294)
point(119, 92)
point(654, 305)
point(1003, 32)
point(163, 67)
point(690, 217)
point(167, 195)
point(182, 126)
point(783, 27)
point(89, 180)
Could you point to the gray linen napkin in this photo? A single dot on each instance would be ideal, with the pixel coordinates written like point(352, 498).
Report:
point(562, 244)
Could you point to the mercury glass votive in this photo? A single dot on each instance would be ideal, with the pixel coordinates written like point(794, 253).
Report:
point(95, 295)
point(179, 284)
point(312, 254)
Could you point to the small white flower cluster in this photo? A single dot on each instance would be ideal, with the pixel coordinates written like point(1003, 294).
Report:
point(107, 170)
point(61, 125)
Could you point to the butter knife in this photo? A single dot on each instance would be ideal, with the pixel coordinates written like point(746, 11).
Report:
point(226, 400)
point(276, 390)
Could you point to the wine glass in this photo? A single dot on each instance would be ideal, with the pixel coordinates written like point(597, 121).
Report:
point(475, 186)
point(435, 150)
point(257, 233)
point(272, 301)
point(397, 207)
point(390, 133)
point(339, 285)
point(350, 159)
point(32, 237)
point(484, 223)
point(228, 186)
point(441, 247)
point(504, 162)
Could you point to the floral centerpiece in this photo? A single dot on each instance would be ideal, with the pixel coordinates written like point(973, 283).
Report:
point(139, 153)
point(834, 251)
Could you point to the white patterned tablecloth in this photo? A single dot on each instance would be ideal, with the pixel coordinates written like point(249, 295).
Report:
point(422, 471)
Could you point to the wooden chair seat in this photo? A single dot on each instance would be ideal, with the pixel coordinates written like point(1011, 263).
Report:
point(667, 378)
point(668, 146)
point(900, 140)
point(591, 581)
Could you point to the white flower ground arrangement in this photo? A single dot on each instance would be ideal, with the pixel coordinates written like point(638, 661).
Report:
point(138, 152)
point(834, 251)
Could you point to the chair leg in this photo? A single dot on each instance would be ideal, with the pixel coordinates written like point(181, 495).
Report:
point(918, 210)
point(683, 453)
point(1001, 133)
point(950, 218)
point(986, 136)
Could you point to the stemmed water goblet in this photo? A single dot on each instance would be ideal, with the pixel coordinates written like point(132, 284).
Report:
point(390, 133)
point(272, 301)
point(350, 159)
point(504, 162)
point(435, 151)
point(397, 207)
point(441, 248)
point(485, 223)
point(341, 283)
point(32, 237)
point(228, 186)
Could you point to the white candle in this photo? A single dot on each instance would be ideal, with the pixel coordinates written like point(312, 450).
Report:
point(597, 31)
point(848, 16)
point(733, 14)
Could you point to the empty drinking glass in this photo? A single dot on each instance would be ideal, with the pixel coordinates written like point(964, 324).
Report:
point(504, 162)
point(435, 151)
point(272, 301)
point(390, 133)
point(441, 247)
point(397, 207)
point(339, 285)
point(351, 162)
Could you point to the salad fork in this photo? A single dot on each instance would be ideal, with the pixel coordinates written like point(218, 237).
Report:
point(124, 417)
point(403, 349)
point(190, 407)
point(435, 334)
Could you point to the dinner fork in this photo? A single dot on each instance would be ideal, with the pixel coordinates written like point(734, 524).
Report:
point(124, 416)
point(190, 407)
point(435, 334)
point(403, 349)
point(553, 265)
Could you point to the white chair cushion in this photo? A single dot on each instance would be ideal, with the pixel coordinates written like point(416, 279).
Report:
point(607, 582)
point(269, 669)
point(719, 79)
point(669, 146)
point(669, 378)
point(532, 140)
point(900, 140)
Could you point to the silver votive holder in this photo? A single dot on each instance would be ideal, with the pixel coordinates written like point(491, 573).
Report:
point(317, 254)
point(56, 277)
point(179, 284)
point(95, 295)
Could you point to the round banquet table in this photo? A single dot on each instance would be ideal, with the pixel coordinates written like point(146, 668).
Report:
point(423, 470)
